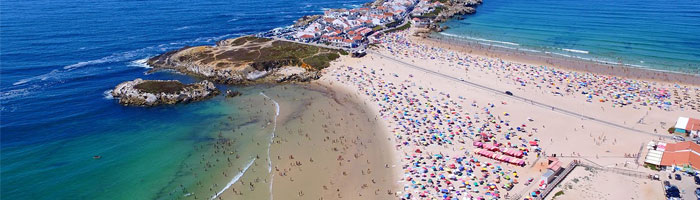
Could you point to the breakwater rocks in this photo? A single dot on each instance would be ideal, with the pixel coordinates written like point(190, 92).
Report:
point(141, 92)
point(249, 60)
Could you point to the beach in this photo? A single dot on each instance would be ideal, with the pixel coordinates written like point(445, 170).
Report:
point(438, 104)
point(312, 152)
point(415, 118)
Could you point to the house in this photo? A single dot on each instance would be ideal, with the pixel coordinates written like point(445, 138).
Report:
point(306, 38)
point(555, 165)
point(687, 125)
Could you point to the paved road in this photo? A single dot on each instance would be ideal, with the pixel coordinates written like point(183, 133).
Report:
point(526, 100)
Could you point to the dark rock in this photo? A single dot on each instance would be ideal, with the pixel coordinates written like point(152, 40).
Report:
point(141, 92)
point(230, 93)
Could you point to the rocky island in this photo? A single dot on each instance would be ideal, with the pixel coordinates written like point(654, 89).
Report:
point(249, 59)
point(141, 92)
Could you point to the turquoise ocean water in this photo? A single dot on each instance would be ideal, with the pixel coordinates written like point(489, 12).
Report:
point(661, 35)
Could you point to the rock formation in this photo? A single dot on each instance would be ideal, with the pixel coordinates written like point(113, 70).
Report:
point(141, 92)
point(249, 59)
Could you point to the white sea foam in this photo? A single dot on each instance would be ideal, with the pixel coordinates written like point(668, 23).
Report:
point(107, 94)
point(576, 51)
point(42, 77)
point(140, 63)
point(565, 55)
point(16, 92)
point(119, 57)
point(272, 137)
point(183, 28)
point(530, 50)
point(481, 39)
point(234, 179)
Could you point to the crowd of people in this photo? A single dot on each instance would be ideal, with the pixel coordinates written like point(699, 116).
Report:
point(433, 129)
point(455, 148)
point(617, 91)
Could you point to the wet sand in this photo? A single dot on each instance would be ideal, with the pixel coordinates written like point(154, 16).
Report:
point(325, 146)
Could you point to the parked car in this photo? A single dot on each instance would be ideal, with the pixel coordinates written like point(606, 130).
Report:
point(678, 177)
point(509, 93)
point(672, 192)
point(697, 180)
point(697, 192)
point(679, 138)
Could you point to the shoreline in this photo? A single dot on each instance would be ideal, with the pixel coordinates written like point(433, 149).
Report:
point(314, 153)
point(561, 62)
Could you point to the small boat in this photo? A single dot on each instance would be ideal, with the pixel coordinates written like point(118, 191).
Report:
point(96, 157)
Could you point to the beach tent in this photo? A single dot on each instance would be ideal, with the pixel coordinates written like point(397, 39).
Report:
point(478, 144)
point(650, 145)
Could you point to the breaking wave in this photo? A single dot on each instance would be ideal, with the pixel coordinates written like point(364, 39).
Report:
point(234, 179)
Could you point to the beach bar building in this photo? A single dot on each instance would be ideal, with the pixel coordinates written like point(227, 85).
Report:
point(687, 125)
point(685, 154)
point(682, 154)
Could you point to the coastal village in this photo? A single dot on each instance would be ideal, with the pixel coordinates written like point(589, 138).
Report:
point(357, 27)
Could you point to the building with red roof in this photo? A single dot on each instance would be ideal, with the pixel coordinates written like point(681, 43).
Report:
point(681, 154)
point(687, 125)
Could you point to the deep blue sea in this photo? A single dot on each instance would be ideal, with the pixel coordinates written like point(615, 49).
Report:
point(57, 60)
point(661, 35)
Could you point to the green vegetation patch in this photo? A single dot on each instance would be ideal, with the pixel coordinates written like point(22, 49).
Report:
point(652, 167)
point(321, 61)
point(434, 13)
point(400, 28)
point(392, 24)
point(168, 87)
point(558, 194)
point(260, 53)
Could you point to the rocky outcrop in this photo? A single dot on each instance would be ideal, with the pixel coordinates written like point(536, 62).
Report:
point(457, 8)
point(141, 92)
point(305, 20)
point(248, 60)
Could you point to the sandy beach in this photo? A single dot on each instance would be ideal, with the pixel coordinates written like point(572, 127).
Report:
point(438, 104)
point(317, 153)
